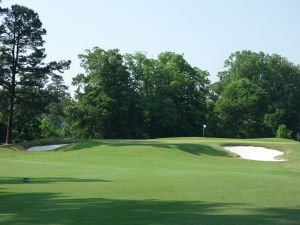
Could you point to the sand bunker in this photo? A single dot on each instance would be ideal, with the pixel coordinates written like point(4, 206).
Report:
point(45, 148)
point(255, 153)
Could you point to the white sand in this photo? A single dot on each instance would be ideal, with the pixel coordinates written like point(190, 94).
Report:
point(255, 153)
point(45, 148)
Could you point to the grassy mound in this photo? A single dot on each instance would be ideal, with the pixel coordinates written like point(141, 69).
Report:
point(170, 181)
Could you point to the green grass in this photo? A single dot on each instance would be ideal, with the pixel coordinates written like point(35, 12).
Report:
point(169, 181)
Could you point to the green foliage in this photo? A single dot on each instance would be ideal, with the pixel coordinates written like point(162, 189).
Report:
point(273, 120)
point(283, 132)
point(240, 108)
point(108, 105)
point(273, 75)
point(133, 96)
point(47, 128)
point(23, 72)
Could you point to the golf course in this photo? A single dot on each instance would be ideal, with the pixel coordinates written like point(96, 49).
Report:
point(149, 112)
point(167, 181)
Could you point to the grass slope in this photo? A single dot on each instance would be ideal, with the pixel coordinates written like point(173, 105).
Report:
point(170, 181)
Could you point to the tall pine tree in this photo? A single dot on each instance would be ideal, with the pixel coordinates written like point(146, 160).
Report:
point(22, 55)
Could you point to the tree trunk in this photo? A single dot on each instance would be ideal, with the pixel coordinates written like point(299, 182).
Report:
point(12, 90)
point(10, 118)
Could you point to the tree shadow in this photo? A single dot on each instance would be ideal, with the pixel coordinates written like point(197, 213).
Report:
point(195, 149)
point(53, 208)
point(198, 149)
point(91, 143)
point(45, 180)
point(80, 145)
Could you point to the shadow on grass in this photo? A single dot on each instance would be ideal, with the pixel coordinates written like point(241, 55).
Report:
point(81, 145)
point(196, 149)
point(52, 208)
point(45, 180)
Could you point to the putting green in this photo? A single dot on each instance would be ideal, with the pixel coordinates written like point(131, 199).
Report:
point(170, 181)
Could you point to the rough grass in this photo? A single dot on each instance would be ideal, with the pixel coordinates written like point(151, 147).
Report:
point(170, 181)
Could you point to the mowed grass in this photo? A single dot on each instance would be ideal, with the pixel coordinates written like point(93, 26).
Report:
point(171, 181)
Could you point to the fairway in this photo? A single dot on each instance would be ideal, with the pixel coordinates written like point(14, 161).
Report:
point(168, 181)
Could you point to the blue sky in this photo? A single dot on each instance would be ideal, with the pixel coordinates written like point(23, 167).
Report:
point(207, 32)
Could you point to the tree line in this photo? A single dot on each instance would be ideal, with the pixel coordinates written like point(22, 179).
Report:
point(134, 96)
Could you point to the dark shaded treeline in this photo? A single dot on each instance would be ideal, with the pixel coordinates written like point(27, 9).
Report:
point(133, 96)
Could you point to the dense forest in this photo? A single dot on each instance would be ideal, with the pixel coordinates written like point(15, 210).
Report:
point(134, 96)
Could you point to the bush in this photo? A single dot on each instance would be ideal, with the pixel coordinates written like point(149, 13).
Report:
point(283, 132)
point(47, 128)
